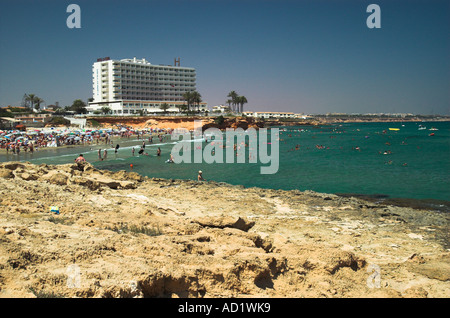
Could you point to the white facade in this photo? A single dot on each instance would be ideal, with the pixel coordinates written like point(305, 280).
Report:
point(270, 114)
point(131, 86)
point(221, 109)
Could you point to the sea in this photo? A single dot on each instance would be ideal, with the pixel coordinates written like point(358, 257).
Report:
point(401, 163)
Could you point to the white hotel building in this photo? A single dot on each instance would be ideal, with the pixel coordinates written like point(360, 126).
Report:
point(133, 86)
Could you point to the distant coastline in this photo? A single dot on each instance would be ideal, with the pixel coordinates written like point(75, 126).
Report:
point(223, 121)
point(172, 122)
point(339, 119)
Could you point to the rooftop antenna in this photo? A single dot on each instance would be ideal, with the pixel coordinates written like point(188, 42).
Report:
point(177, 61)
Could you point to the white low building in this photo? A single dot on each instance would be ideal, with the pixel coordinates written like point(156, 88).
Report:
point(269, 114)
point(221, 109)
point(133, 86)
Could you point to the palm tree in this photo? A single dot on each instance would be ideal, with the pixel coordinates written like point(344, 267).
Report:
point(241, 100)
point(193, 98)
point(188, 98)
point(78, 106)
point(164, 107)
point(105, 110)
point(32, 99)
point(233, 96)
point(38, 102)
point(181, 108)
point(196, 98)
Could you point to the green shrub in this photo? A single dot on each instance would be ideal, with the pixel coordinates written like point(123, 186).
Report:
point(93, 123)
point(60, 220)
point(44, 294)
point(154, 231)
point(59, 121)
point(219, 120)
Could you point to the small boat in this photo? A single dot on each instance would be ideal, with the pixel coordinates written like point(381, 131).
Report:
point(394, 128)
point(422, 127)
point(433, 128)
point(432, 134)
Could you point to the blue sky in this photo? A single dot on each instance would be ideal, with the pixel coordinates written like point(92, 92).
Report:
point(300, 56)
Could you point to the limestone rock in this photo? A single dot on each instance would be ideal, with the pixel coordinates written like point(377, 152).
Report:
point(137, 237)
point(6, 173)
point(224, 222)
point(56, 177)
point(29, 176)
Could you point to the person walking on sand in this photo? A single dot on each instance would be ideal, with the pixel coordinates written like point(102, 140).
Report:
point(200, 176)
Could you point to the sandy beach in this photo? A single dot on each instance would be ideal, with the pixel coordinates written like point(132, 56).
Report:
point(123, 235)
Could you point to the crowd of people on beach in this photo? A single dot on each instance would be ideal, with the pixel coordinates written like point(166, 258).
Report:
point(16, 141)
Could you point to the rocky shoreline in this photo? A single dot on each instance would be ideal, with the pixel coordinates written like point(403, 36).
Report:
point(174, 122)
point(119, 234)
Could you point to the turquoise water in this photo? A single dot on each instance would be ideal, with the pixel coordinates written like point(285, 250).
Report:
point(417, 167)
